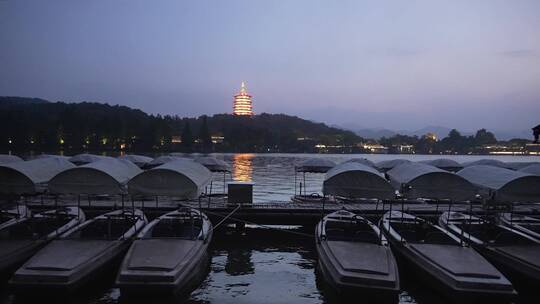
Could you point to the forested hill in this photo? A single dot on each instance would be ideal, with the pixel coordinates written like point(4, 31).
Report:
point(39, 125)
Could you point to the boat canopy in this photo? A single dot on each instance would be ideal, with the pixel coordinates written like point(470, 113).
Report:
point(7, 158)
point(139, 160)
point(386, 165)
point(443, 163)
point(363, 161)
point(158, 161)
point(531, 169)
point(418, 180)
point(486, 162)
point(315, 165)
point(106, 176)
point(85, 158)
point(41, 156)
point(178, 178)
point(30, 177)
point(213, 164)
point(356, 180)
point(520, 165)
point(503, 185)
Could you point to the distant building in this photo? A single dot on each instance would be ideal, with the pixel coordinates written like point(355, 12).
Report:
point(217, 139)
point(532, 149)
point(242, 102)
point(176, 139)
point(431, 136)
point(405, 149)
point(375, 148)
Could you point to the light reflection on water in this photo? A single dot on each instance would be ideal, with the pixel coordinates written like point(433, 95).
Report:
point(242, 167)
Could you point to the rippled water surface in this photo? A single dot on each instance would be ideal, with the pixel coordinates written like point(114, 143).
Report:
point(267, 266)
point(273, 175)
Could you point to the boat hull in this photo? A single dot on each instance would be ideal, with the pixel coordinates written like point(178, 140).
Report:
point(428, 275)
point(346, 290)
point(181, 287)
point(53, 281)
point(358, 269)
point(522, 274)
point(166, 265)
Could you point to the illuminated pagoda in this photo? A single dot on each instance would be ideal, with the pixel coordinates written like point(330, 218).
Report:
point(242, 102)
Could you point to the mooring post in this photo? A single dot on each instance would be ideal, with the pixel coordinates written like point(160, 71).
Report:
point(224, 180)
point(470, 220)
point(17, 206)
point(295, 181)
point(323, 203)
point(304, 184)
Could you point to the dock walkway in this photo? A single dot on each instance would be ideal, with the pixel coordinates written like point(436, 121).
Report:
point(273, 213)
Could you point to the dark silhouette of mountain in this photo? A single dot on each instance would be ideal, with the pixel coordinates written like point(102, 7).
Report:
point(20, 100)
point(36, 124)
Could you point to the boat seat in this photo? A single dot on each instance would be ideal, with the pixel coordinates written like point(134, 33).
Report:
point(366, 237)
point(510, 238)
point(335, 233)
point(437, 237)
point(176, 229)
point(109, 228)
point(18, 231)
point(409, 235)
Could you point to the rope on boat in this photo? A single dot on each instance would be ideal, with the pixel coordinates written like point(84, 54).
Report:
point(252, 223)
point(226, 217)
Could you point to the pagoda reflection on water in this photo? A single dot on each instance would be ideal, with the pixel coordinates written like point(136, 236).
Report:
point(242, 102)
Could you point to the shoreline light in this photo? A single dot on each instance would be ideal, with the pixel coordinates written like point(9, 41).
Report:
point(242, 102)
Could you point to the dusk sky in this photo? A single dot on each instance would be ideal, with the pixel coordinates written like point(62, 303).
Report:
point(394, 64)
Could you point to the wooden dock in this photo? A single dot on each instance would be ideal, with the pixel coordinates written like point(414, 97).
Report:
point(274, 213)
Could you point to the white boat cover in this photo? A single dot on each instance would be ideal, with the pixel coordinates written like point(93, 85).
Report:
point(520, 165)
point(85, 158)
point(158, 161)
point(363, 161)
point(139, 160)
point(40, 156)
point(531, 169)
point(504, 185)
point(106, 176)
point(443, 163)
point(418, 180)
point(356, 180)
point(315, 165)
point(179, 178)
point(7, 158)
point(386, 165)
point(213, 164)
point(486, 162)
point(30, 177)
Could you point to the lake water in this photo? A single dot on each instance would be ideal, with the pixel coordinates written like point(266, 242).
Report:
point(268, 266)
point(273, 175)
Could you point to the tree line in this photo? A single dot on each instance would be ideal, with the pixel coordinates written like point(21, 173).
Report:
point(35, 124)
point(30, 124)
